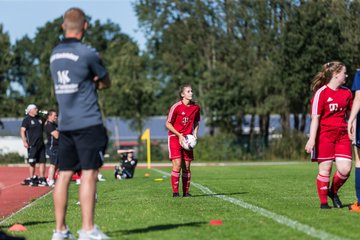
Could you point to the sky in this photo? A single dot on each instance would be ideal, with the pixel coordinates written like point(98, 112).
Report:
point(23, 17)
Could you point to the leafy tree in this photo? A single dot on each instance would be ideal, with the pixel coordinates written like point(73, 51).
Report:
point(6, 94)
point(311, 38)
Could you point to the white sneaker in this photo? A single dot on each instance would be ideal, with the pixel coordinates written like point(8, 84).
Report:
point(94, 234)
point(51, 183)
point(66, 234)
point(101, 178)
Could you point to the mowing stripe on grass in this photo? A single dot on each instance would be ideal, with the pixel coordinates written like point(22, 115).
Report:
point(266, 213)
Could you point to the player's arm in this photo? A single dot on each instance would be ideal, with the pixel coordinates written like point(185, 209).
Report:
point(354, 111)
point(196, 129)
point(314, 126)
point(23, 137)
point(102, 83)
point(174, 131)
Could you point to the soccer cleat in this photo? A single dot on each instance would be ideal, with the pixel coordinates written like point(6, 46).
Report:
point(93, 234)
point(354, 207)
point(325, 206)
point(66, 234)
point(42, 182)
point(335, 199)
point(26, 181)
point(101, 178)
point(187, 195)
point(34, 181)
point(176, 194)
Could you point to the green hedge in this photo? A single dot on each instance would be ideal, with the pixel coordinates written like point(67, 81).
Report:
point(11, 158)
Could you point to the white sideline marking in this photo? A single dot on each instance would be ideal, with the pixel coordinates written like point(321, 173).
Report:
point(266, 213)
point(29, 205)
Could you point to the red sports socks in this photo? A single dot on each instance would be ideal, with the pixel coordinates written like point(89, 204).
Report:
point(175, 176)
point(186, 175)
point(338, 181)
point(322, 183)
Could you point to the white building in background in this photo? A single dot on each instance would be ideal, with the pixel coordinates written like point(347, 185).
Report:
point(12, 144)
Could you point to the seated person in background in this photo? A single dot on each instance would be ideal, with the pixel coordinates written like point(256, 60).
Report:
point(126, 167)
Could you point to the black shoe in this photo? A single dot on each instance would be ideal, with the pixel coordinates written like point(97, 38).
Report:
point(325, 206)
point(42, 182)
point(34, 181)
point(335, 199)
point(176, 194)
point(187, 195)
point(26, 182)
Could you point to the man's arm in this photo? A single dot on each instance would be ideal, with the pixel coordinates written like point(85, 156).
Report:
point(102, 83)
point(23, 137)
point(55, 134)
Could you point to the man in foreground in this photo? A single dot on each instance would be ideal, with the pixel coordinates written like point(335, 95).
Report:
point(77, 72)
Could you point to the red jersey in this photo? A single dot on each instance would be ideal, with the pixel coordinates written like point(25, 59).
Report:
point(183, 117)
point(331, 105)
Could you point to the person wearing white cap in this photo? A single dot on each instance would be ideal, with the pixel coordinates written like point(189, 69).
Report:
point(31, 132)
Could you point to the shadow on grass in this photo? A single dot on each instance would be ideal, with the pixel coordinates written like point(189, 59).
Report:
point(8, 237)
point(31, 223)
point(157, 228)
point(218, 194)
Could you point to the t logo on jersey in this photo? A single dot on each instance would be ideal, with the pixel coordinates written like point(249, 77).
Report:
point(333, 107)
point(185, 120)
point(63, 77)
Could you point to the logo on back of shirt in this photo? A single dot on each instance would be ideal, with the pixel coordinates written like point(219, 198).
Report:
point(63, 77)
point(64, 85)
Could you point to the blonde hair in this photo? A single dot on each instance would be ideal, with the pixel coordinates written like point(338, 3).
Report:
point(74, 20)
point(324, 76)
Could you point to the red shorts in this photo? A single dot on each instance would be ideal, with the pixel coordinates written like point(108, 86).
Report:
point(176, 151)
point(332, 144)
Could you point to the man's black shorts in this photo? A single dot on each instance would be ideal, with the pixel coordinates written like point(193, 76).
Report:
point(51, 154)
point(82, 149)
point(36, 154)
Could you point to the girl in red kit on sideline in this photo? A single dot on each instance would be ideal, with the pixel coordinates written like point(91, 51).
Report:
point(328, 142)
point(183, 119)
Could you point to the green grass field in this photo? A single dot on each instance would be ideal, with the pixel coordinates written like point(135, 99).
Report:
point(254, 202)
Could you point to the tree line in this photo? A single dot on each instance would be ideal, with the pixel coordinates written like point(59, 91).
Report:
point(241, 57)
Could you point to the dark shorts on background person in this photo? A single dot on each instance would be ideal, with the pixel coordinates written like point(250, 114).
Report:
point(83, 148)
point(51, 154)
point(356, 141)
point(36, 154)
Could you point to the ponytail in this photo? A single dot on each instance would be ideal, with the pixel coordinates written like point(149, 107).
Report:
point(324, 76)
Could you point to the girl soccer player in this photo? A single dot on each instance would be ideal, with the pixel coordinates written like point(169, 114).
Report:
point(183, 118)
point(328, 141)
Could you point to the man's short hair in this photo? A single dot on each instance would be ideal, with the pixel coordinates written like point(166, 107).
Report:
point(51, 112)
point(74, 19)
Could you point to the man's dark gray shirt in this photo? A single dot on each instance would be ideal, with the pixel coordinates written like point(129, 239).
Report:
point(73, 67)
